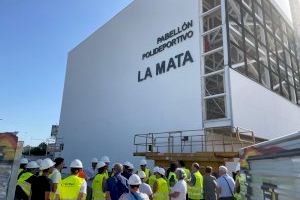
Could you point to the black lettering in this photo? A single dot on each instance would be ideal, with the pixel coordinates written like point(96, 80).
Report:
point(187, 58)
point(179, 59)
point(160, 68)
point(148, 73)
point(139, 77)
point(171, 64)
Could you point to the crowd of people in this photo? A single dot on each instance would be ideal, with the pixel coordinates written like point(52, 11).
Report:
point(42, 180)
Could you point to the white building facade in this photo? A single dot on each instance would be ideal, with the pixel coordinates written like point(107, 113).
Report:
point(180, 65)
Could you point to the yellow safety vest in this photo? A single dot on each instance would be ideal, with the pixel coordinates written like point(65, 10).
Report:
point(52, 194)
point(152, 180)
point(196, 191)
point(98, 193)
point(69, 188)
point(26, 187)
point(187, 173)
point(162, 192)
point(147, 172)
point(20, 171)
point(170, 176)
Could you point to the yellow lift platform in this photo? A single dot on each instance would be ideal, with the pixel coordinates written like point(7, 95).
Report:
point(209, 147)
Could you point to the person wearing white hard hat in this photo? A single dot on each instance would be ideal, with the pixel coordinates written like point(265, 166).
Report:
point(160, 187)
point(128, 169)
point(144, 187)
point(179, 191)
point(23, 164)
point(144, 168)
point(106, 160)
point(41, 187)
point(134, 193)
point(26, 179)
point(55, 176)
point(99, 181)
point(90, 174)
point(73, 187)
point(152, 178)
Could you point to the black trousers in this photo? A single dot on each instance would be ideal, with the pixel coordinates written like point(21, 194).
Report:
point(226, 198)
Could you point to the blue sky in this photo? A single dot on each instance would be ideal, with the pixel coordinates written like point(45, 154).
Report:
point(35, 38)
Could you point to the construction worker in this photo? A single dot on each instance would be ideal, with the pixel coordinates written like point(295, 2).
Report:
point(195, 186)
point(127, 169)
point(179, 190)
point(152, 178)
point(90, 174)
point(41, 187)
point(73, 187)
point(160, 187)
point(144, 168)
point(55, 176)
point(23, 188)
point(171, 176)
point(134, 192)
point(98, 183)
point(186, 170)
point(23, 164)
point(144, 187)
point(106, 160)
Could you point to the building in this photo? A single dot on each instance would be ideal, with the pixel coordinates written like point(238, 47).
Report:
point(205, 65)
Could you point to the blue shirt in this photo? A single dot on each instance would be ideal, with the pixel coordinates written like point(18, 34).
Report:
point(116, 186)
point(227, 189)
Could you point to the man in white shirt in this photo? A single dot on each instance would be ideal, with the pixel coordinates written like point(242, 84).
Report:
point(56, 175)
point(179, 190)
point(144, 187)
point(226, 185)
point(90, 174)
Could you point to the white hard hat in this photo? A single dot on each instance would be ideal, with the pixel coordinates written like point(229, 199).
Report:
point(100, 165)
point(32, 165)
point(127, 163)
point(142, 174)
point(46, 164)
point(39, 162)
point(94, 160)
point(143, 162)
point(105, 159)
point(134, 180)
point(24, 161)
point(162, 171)
point(155, 169)
point(130, 166)
point(76, 164)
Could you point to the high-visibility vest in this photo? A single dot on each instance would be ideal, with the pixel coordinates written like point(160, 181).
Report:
point(69, 188)
point(196, 191)
point(162, 192)
point(172, 174)
point(147, 172)
point(26, 187)
point(152, 180)
point(98, 193)
point(187, 173)
point(52, 194)
point(20, 171)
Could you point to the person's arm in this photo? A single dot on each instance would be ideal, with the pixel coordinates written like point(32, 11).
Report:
point(83, 191)
point(103, 184)
point(47, 195)
point(219, 190)
point(155, 187)
point(107, 196)
point(174, 194)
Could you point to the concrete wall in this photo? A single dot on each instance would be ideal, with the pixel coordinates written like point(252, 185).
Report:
point(104, 105)
point(261, 110)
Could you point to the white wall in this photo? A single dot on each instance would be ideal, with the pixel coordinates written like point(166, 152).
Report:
point(261, 110)
point(103, 103)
